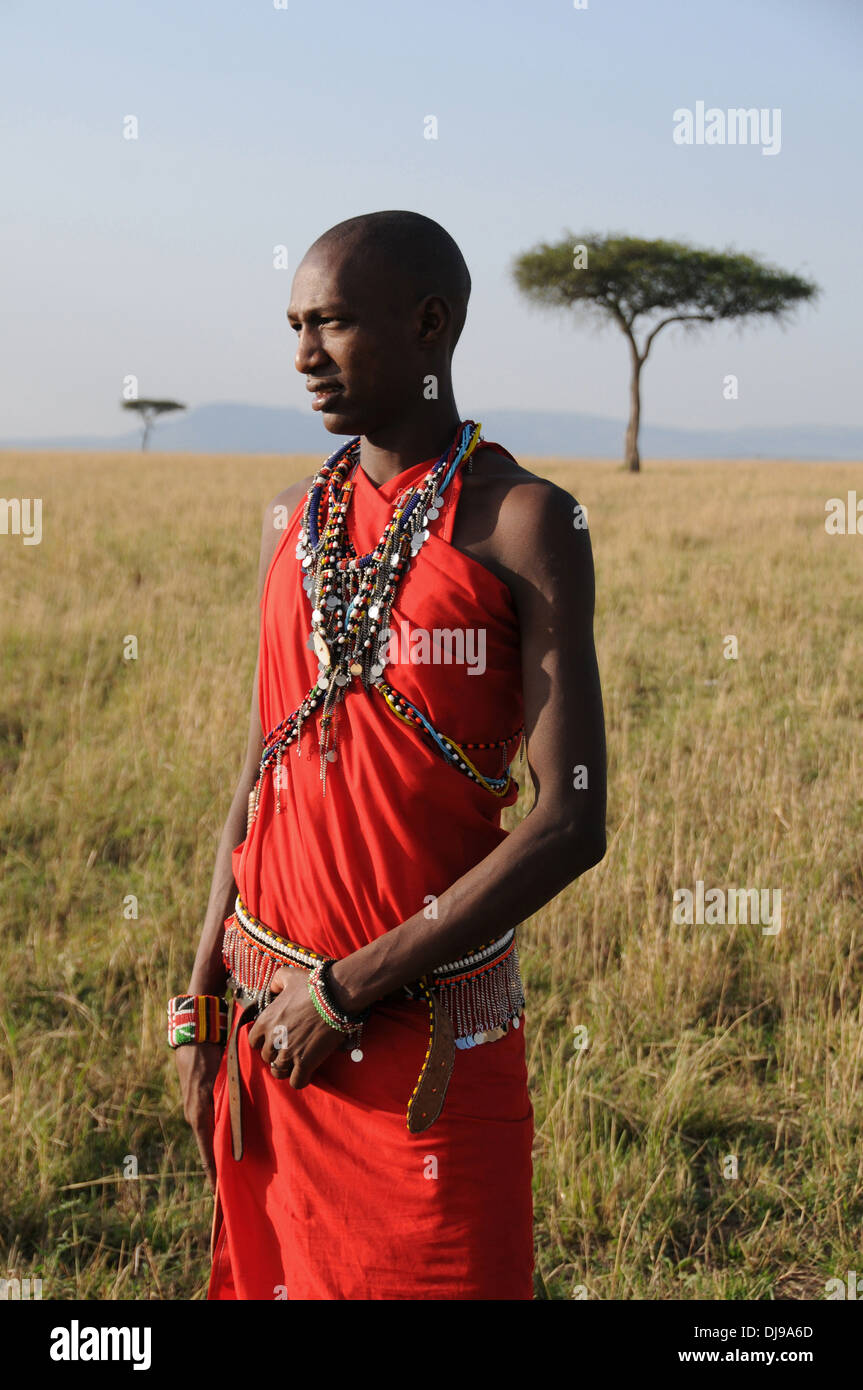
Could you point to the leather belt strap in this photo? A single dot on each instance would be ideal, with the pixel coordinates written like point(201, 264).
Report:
point(429, 1093)
point(235, 1085)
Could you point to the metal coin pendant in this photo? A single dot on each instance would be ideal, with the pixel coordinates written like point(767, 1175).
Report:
point(322, 651)
point(355, 668)
point(356, 1055)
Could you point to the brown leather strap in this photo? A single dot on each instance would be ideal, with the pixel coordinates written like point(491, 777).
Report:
point(429, 1093)
point(218, 1220)
point(235, 1087)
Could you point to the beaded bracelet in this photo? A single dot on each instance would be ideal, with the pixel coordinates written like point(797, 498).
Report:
point(342, 1022)
point(197, 1018)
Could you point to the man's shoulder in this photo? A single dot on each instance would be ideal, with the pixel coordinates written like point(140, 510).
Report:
point(277, 513)
point(516, 523)
point(524, 504)
point(287, 501)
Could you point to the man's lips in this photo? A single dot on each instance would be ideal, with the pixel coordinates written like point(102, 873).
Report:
point(322, 391)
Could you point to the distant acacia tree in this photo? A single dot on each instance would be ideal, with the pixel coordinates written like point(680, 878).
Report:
point(148, 410)
point(625, 278)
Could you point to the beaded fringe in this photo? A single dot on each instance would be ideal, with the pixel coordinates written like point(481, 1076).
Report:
point(486, 1003)
point(251, 969)
point(481, 1007)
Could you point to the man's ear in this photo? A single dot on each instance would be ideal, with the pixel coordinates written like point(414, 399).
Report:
point(434, 319)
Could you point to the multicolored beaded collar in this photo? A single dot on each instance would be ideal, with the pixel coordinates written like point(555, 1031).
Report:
point(351, 597)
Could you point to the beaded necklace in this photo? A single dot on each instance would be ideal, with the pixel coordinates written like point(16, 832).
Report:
point(352, 596)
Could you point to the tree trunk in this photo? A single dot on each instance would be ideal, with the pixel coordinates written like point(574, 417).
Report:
point(630, 449)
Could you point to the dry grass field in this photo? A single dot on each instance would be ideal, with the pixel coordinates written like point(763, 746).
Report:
point(696, 1087)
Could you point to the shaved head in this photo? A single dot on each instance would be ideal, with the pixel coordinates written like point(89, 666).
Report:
point(378, 303)
point(407, 247)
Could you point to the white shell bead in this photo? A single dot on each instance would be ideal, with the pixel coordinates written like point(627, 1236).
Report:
point(321, 648)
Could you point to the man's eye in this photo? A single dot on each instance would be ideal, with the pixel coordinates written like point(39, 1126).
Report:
point(296, 326)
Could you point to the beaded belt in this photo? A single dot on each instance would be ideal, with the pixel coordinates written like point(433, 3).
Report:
point(471, 1001)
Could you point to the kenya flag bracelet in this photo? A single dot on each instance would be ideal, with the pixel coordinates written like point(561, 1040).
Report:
point(197, 1018)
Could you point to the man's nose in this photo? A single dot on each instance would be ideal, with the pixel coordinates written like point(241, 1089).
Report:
point(310, 353)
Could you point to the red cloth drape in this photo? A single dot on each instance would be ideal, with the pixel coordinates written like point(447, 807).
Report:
point(334, 1198)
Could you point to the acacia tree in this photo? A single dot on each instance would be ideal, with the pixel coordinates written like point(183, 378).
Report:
point(148, 411)
point(660, 282)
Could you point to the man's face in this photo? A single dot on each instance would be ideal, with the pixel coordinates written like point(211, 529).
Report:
point(357, 340)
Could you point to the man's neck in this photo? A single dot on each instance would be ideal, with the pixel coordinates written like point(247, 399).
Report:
point(399, 446)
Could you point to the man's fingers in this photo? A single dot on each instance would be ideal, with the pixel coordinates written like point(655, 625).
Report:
point(272, 1041)
point(204, 1134)
point(210, 1170)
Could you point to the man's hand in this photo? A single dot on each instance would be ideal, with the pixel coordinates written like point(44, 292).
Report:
point(291, 1033)
point(198, 1065)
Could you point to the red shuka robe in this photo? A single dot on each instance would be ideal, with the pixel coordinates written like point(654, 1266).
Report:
point(334, 1198)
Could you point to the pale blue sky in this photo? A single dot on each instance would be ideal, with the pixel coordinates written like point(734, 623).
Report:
point(260, 126)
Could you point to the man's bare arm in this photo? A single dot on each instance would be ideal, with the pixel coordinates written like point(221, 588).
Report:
point(198, 1066)
point(208, 973)
point(549, 568)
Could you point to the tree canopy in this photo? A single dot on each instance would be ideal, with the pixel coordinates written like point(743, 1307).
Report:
point(149, 410)
point(626, 279)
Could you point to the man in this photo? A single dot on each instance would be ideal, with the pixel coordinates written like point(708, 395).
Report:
point(369, 1133)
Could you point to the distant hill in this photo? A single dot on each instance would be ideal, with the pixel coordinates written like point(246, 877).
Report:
point(226, 428)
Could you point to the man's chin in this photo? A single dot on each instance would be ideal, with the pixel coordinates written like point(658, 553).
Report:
point(340, 421)
point(336, 424)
